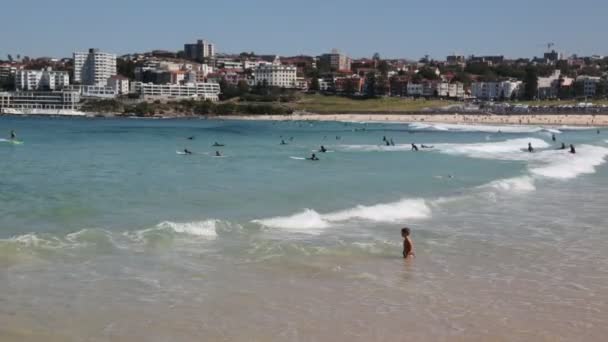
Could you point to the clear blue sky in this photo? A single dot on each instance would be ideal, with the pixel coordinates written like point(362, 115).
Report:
point(394, 28)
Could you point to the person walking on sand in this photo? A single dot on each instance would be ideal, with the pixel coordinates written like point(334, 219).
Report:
point(408, 244)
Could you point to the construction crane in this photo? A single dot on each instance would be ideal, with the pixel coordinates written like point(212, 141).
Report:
point(549, 46)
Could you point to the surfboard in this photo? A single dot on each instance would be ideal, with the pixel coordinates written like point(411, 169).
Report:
point(12, 141)
point(297, 158)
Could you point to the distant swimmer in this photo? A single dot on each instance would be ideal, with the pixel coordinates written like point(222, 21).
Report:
point(190, 138)
point(387, 143)
point(426, 146)
point(598, 131)
point(408, 244)
point(215, 144)
point(218, 154)
point(530, 148)
point(384, 138)
point(563, 147)
point(392, 142)
point(553, 137)
point(283, 142)
point(414, 147)
point(572, 149)
point(313, 157)
point(338, 137)
point(13, 134)
point(187, 151)
point(323, 149)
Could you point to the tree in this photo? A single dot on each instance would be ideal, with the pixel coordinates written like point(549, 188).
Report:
point(428, 73)
point(370, 84)
point(383, 68)
point(125, 68)
point(314, 84)
point(579, 89)
point(531, 83)
point(243, 87)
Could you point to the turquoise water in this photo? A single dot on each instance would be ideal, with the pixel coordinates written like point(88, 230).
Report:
point(99, 217)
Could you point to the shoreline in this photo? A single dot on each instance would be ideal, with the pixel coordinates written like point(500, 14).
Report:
point(583, 120)
point(587, 120)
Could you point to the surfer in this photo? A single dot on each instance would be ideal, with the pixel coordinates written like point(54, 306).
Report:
point(530, 148)
point(553, 137)
point(218, 154)
point(414, 147)
point(283, 142)
point(387, 143)
point(323, 149)
point(384, 138)
point(190, 138)
point(187, 151)
point(13, 134)
point(408, 244)
point(313, 157)
point(563, 147)
point(392, 142)
point(572, 149)
point(215, 144)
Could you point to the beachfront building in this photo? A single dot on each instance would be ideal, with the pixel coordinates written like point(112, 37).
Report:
point(204, 91)
point(94, 67)
point(282, 76)
point(46, 79)
point(589, 84)
point(495, 90)
point(200, 50)
point(336, 61)
point(415, 89)
point(120, 84)
point(39, 102)
point(548, 87)
point(8, 71)
point(93, 91)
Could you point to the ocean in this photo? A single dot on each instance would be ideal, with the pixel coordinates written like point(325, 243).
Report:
point(108, 232)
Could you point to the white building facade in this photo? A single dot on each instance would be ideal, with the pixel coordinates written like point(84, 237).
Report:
point(589, 84)
point(94, 67)
point(41, 79)
point(120, 84)
point(282, 76)
point(204, 91)
point(495, 90)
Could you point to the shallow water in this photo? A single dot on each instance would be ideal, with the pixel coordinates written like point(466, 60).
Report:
point(106, 233)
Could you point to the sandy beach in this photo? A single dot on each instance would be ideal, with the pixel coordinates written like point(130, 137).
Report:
point(524, 119)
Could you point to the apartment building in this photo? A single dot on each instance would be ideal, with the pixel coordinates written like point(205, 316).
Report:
point(495, 90)
point(200, 50)
point(205, 91)
point(337, 61)
point(94, 67)
point(283, 76)
point(26, 101)
point(120, 84)
point(41, 79)
point(589, 84)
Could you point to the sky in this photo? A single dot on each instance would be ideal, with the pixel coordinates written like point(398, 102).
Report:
point(393, 28)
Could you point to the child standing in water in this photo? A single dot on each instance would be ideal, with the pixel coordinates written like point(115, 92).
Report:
point(408, 245)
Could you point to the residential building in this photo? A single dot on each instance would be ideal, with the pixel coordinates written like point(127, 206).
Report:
point(455, 59)
point(490, 60)
point(41, 79)
point(199, 51)
point(548, 87)
point(337, 61)
point(456, 90)
point(120, 84)
point(205, 91)
point(415, 89)
point(495, 90)
point(325, 85)
point(39, 102)
point(589, 84)
point(7, 71)
point(353, 84)
point(94, 68)
point(283, 76)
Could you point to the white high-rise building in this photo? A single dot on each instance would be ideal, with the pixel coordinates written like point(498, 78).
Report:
point(283, 76)
point(94, 67)
point(41, 79)
point(495, 90)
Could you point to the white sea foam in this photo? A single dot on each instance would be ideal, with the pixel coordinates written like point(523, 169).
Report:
point(509, 149)
point(205, 229)
point(557, 164)
point(375, 148)
point(563, 165)
point(511, 185)
point(480, 128)
point(311, 222)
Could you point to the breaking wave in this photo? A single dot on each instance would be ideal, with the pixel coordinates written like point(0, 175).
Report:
point(480, 128)
point(311, 222)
